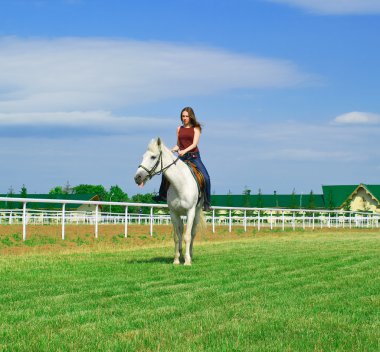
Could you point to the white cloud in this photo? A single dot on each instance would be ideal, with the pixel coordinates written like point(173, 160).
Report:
point(103, 120)
point(337, 7)
point(77, 74)
point(258, 154)
point(253, 143)
point(357, 117)
point(305, 154)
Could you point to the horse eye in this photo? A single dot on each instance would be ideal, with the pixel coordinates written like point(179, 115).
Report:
point(153, 157)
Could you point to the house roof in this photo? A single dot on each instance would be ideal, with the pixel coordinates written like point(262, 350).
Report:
point(336, 195)
point(50, 206)
point(374, 190)
point(269, 200)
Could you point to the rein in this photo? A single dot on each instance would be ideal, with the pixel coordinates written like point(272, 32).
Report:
point(152, 172)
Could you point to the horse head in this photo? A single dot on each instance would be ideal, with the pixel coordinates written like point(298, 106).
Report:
point(151, 163)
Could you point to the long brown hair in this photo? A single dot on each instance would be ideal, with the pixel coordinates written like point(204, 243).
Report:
point(193, 119)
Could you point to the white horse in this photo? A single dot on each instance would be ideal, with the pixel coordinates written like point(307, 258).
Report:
point(182, 197)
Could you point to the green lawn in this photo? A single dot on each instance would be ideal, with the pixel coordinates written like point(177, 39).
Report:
point(279, 292)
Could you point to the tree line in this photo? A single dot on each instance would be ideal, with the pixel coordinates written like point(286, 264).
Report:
point(114, 194)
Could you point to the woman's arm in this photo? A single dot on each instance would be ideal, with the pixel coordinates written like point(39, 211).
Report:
point(176, 147)
point(197, 134)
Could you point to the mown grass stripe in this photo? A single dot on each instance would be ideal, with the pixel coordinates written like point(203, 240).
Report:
point(293, 292)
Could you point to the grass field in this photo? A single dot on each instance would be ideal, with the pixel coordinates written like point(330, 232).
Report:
point(279, 291)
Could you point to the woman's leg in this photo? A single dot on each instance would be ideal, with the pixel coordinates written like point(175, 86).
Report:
point(163, 191)
point(198, 163)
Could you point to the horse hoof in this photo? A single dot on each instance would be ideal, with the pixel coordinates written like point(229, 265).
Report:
point(176, 262)
point(188, 263)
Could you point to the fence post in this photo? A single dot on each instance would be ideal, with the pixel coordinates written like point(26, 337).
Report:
point(213, 220)
point(24, 221)
point(63, 221)
point(294, 221)
point(271, 220)
point(350, 221)
point(283, 221)
point(303, 220)
point(96, 220)
point(151, 221)
point(230, 222)
point(126, 222)
point(258, 221)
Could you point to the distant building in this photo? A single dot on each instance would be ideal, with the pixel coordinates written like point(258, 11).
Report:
point(360, 197)
point(353, 197)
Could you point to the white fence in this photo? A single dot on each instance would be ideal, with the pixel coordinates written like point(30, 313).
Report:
point(224, 216)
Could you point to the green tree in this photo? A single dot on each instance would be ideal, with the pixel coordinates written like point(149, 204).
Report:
point(311, 204)
point(247, 197)
point(91, 189)
point(56, 190)
point(24, 192)
point(293, 200)
point(229, 200)
point(10, 194)
point(116, 194)
point(142, 198)
point(347, 204)
point(276, 199)
point(260, 200)
point(67, 189)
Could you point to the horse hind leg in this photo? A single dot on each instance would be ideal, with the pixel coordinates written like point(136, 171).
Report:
point(194, 232)
point(177, 236)
point(188, 235)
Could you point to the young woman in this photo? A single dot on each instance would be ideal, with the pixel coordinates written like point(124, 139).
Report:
point(188, 135)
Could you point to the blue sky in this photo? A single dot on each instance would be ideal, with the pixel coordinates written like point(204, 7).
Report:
point(287, 90)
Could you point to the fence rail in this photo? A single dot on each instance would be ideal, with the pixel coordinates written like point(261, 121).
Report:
point(272, 218)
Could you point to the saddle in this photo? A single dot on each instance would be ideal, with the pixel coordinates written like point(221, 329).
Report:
point(198, 176)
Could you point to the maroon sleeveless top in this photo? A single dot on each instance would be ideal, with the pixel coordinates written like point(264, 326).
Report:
point(185, 138)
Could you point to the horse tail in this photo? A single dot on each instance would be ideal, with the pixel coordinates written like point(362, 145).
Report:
point(202, 225)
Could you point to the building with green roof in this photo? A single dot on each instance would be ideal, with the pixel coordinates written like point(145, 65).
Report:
point(360, 197)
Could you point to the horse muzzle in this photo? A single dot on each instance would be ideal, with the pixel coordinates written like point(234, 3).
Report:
point(140, 178)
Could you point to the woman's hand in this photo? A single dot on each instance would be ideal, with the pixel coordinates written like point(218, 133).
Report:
point(181, 152)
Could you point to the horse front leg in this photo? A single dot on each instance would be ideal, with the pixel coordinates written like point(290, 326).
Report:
point(177, 236)
point(194, 230)
point(187, 237)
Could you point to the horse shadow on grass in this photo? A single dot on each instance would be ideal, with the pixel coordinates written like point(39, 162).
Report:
point(161, 260)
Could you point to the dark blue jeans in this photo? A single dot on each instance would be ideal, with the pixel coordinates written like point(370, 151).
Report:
point(196, 159)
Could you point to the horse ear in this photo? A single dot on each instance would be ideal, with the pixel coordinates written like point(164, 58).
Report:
point(159, 141)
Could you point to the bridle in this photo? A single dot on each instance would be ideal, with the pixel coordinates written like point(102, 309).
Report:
point(152, 172)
